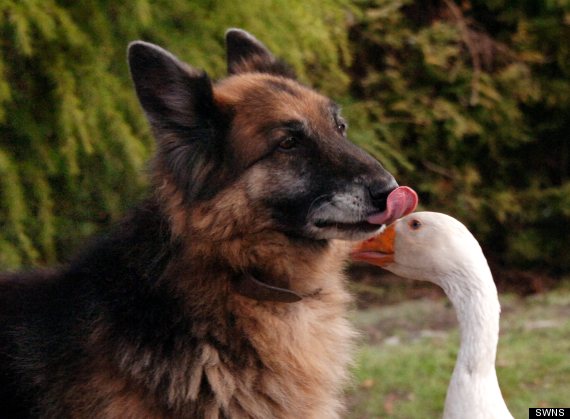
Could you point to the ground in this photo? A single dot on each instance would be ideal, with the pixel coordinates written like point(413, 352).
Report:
point(408, 349)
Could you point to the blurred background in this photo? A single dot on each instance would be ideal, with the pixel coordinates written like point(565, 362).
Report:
point(467, 101)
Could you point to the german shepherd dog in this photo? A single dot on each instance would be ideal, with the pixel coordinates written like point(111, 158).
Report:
point(222, 294)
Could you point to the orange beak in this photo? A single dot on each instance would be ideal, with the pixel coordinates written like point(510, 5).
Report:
point(379, 250)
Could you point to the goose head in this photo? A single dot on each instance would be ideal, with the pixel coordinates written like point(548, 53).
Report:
point(423, 246)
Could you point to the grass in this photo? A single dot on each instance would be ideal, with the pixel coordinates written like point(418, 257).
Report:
point(408, 352)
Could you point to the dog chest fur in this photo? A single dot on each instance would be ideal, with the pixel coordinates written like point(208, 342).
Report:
point(258, 360)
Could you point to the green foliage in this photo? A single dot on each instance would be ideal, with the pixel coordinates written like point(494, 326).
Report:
point(73, 140)
point(469, 104)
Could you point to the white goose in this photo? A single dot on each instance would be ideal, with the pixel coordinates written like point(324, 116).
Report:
point(435, 247)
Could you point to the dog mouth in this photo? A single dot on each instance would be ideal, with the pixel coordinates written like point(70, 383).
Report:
point(345, 217)
point(359, 226)
point(401, 201)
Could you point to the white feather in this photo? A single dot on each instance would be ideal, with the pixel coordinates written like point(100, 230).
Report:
point(444, 252)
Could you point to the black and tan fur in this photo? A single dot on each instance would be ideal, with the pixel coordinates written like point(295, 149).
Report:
point(253, 178)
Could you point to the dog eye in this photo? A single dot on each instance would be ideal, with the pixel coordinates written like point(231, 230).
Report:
point(288, 143)
point(341, 126)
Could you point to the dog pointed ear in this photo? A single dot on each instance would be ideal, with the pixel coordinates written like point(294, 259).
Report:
point(175, 97)
point(179, 104)
point(246, 54)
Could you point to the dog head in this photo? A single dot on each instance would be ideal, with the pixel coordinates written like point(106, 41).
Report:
point(259, 131)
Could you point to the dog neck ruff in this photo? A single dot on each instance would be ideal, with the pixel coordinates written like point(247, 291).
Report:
point(248, 285)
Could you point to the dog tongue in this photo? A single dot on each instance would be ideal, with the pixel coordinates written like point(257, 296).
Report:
point(400, 202)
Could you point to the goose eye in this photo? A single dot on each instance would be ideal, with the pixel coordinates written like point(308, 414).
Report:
point(415, 224)
point(288, 143)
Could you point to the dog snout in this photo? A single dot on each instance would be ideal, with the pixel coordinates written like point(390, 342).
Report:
point(380, 190)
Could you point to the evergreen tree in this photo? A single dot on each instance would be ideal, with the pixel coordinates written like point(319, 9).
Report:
point(73, 140)
point(469, 104)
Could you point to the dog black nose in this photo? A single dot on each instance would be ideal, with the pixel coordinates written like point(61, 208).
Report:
point(379, 192)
